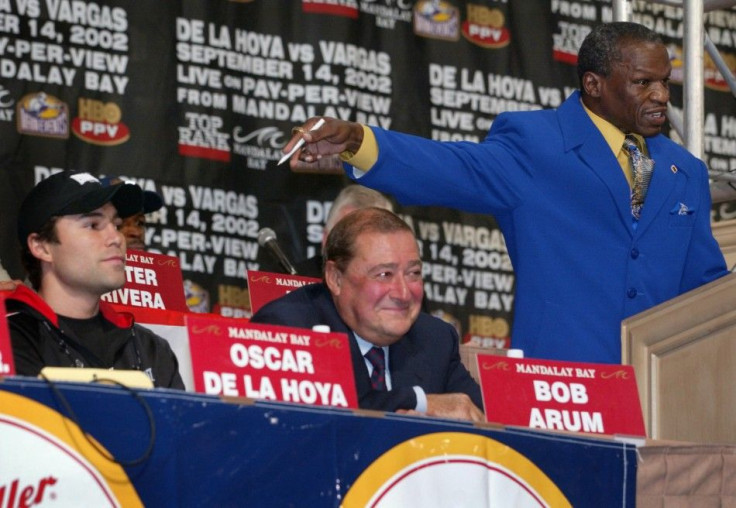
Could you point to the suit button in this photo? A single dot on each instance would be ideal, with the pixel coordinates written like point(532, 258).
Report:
point(634, 253)
point(631, 293)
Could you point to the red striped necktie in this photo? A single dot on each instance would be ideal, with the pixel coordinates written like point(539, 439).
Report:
point(378, 376)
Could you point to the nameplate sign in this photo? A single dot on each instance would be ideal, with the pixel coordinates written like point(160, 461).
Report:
point(235, 358)
point(153, 281)
point(554, 395)
point(7, 365)
point(266, 286)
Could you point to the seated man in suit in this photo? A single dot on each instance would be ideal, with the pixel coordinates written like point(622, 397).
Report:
point(403, 359)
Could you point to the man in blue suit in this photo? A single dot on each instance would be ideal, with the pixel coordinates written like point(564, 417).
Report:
point(372, 291)
point(559, 184)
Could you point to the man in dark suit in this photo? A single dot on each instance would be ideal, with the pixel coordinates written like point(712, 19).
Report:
point(559, 182)
point(373, 291)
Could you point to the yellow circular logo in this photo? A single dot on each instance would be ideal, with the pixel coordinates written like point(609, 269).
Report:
point(45, 457)
point(453, 469)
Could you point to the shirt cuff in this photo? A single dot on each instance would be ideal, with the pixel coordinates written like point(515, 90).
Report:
point(367, 154)
point(421, 399)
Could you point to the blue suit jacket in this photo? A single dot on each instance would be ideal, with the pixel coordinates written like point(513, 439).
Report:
point(562, 202)
point(427, 356)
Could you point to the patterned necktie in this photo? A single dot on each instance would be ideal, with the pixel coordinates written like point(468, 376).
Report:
point(378, 376)
point(641, 169)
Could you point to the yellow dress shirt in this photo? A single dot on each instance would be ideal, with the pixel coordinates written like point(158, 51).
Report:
point(615, 139)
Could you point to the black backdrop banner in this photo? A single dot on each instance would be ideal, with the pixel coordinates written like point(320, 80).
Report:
point(195, 98)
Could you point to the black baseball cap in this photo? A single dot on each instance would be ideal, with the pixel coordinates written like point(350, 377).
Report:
point(152, 201)
point(71, 193)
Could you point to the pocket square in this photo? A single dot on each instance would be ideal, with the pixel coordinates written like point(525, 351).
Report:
point(682, 209)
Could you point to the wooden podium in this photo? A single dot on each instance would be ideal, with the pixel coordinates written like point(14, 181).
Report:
point(725, 234)
point(684, 354)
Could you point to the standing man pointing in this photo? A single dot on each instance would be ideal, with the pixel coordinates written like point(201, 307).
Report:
point(604, 217)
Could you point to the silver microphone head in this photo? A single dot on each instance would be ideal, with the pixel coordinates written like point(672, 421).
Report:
point(265, 235)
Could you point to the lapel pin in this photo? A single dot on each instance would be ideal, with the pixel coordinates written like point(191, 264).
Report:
point(673, 168)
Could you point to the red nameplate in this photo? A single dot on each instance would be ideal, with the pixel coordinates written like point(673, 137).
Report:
point(266, 286)
point(147, 316)
point(554, 395)
point(7, 365)
point(153, 281)
point(241, 359)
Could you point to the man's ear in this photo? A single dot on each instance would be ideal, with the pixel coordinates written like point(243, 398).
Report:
point(333, 277)
point(592, 84)
point(38, 247)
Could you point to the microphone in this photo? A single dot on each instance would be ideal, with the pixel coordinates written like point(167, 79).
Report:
point(267, 239)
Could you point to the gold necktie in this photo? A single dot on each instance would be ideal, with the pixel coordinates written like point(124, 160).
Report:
point(641, 169)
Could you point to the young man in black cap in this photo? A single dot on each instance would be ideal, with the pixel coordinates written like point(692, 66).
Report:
point(74, 252)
